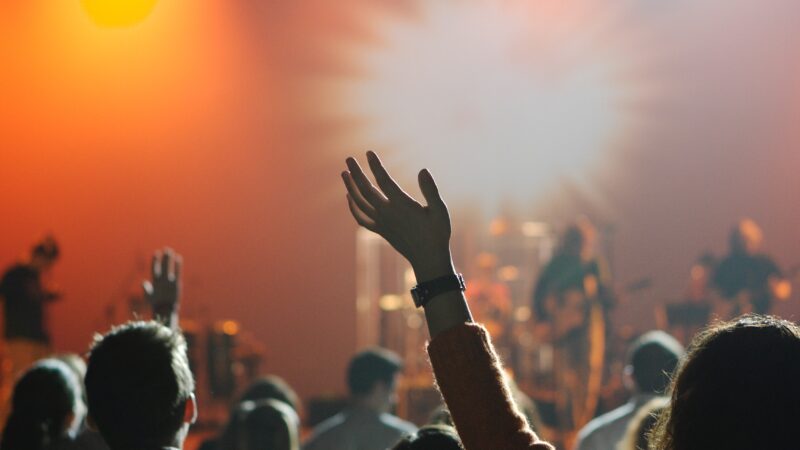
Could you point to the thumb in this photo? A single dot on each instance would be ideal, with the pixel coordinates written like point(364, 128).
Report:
point(430, 191)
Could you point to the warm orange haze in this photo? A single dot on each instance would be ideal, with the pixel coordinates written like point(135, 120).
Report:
point(220, 128)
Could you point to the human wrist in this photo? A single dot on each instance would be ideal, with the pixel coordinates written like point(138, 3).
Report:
point(434, 266)
point(165, 310)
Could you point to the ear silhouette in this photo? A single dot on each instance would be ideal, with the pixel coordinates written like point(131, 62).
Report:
point(190, 411)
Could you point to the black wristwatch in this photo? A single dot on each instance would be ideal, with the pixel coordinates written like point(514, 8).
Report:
point(424, 292)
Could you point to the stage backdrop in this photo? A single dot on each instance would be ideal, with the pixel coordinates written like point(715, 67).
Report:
point(220, 128)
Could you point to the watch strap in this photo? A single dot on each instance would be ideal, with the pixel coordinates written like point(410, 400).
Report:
point(422, 293)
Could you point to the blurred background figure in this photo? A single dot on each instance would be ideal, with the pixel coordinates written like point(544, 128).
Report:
point(687, 317)
point(366, 423)
point(25, 295)
point(748, 279)
point(47, 408)
point(651, 360)
point(267, 425)
point(571, 302)
point(272, 387)
point(490, 300)
point(269, 387)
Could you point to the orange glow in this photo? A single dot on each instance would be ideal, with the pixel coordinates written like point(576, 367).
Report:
point(230, 327)
point(219, 128)
point(118, 13)
point(107, 120)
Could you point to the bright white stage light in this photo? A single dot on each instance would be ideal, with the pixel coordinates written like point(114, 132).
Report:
point(499, 100)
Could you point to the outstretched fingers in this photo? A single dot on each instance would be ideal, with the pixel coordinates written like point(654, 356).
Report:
point(166, 262)
point(165, 265)
point(354, 194)
point(361, 218)
point(387, 184)
point(155, 266)
point(177, 267)
point(370, 193)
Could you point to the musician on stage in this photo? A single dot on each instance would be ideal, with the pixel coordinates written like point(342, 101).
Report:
point(570, 302)
point(491, 300)
point(749, 280)
point(24, 298)
point(693, 313)
point(573, 269)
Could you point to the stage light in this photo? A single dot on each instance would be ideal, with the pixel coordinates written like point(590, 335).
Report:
point(499, 100)
point(230, 327)
point(508, 273)
point(536, 229)
point(118, 13)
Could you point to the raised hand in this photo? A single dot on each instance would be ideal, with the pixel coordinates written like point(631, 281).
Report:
point(163, 292)
point(420, 233)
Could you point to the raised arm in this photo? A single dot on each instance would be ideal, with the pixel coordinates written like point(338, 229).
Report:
point(163, 291)
point(420, 233)
point(467, 370)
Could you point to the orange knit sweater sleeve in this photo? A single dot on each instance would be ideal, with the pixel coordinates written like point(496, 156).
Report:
point(470, 378)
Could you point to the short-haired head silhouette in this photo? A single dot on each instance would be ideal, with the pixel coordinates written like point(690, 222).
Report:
point(370, 367)
point(651, 360)
point(139, 387)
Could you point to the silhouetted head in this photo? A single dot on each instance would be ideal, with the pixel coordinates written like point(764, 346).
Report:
point(579, 239)
point(46, 405)
point(78, 367)
point(431, 437)
point(44, 253)
point(271, 387)
point(737, 388)
point(746, 237)
point(74, 362)
point(267, 424)
point(371, 377)
point(651, 360)
point(139, 386)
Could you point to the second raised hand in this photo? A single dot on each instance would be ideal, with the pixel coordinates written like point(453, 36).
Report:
point(163, 291)
point(420, 233)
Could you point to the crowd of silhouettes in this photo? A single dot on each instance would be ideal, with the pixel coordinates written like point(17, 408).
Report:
point(736, 387)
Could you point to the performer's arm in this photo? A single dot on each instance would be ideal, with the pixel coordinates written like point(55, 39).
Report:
point(540, 294)
point(163, 292)
point(36, 291)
